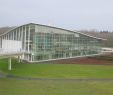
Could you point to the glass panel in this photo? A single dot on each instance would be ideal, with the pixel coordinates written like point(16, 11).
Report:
point(54, 45)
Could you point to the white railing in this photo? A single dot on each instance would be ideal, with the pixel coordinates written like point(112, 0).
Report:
point(4, 52)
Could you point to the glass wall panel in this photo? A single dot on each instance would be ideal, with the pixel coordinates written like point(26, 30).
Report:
point(54, 45)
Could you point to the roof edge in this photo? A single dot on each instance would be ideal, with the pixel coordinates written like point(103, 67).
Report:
point(56, 28)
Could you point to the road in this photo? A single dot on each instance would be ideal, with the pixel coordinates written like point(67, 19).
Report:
point(4, 75)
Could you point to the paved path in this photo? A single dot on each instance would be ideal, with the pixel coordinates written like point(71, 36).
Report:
point(3, 75)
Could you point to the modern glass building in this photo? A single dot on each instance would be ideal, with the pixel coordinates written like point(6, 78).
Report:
point(44, 43)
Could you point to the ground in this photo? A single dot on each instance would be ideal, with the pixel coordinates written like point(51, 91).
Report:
point(12, 86)
point(50, 87)
point(98, 60)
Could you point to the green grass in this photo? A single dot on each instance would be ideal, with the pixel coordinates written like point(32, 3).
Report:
point(50, 87)
point(56, 87)
point(58, 70)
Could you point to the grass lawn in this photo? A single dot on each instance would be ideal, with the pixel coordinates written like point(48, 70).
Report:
point(56, 87)
point(58, 70)
point(49, 87)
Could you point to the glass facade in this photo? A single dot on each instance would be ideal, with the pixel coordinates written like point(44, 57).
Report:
point(50, 43)
point(40, 42)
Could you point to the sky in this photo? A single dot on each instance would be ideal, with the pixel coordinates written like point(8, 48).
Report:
point(68, 14)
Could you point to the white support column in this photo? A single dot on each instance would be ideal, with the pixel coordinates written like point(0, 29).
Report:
point(31, 58)
point(10, 36)
point(13, 35)
point(19, 35)
point(19, 59)
point(16, 37)
point(6, 36)
point(28, 38)
point(25, 39)
point(24, 42)
point(9, 63)
point(21, 38)
point(28, 42)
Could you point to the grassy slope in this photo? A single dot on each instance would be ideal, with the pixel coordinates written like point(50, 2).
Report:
point(59, 70)
point(40, 87)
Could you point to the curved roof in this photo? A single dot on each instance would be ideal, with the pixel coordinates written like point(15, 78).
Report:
point(12, 28)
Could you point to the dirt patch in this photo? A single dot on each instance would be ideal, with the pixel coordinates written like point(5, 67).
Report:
point(104, 60)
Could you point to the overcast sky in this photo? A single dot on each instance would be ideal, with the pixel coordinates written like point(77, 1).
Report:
point(69, 14)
